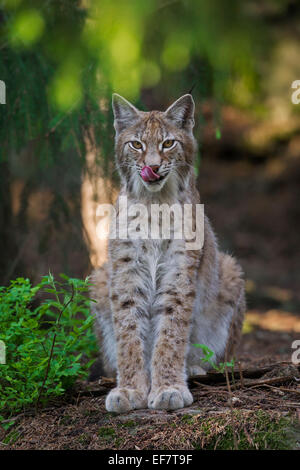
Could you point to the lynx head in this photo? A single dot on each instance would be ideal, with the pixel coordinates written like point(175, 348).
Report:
point(154, 149)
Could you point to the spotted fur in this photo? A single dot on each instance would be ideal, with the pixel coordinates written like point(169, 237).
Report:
point(155, 299)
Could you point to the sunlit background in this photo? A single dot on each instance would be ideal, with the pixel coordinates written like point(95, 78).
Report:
point(62, 59)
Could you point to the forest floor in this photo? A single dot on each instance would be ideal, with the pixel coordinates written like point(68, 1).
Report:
point(263, 413)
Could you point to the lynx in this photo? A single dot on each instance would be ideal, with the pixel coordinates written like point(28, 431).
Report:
point(155, 298)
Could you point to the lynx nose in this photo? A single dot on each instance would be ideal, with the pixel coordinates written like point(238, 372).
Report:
point(154, 168)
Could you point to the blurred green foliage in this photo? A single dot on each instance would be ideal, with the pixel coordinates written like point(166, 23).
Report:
point(61, 59)
point(45, 74)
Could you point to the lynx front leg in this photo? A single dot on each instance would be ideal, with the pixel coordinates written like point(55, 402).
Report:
point(132, 380)
point(168, 381)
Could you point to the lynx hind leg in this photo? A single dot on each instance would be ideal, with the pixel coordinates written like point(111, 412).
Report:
point(103, 320)
point(232, 292)
point(219, 325)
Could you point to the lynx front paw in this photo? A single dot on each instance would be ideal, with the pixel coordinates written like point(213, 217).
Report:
point(121, 400)
point(170, 398)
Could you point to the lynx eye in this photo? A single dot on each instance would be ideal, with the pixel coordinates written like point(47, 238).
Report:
point(168, 143)
point(136, 144)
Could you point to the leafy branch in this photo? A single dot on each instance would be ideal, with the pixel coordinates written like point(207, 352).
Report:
point(52, 283)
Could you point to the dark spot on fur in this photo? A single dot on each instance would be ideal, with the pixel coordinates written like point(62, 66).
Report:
point(126, 242)
point(127, 303)
point(130, 376)
point(139, 291)
point(126, 259)
point(191, 293)
point(173, 293)
point(130, 186)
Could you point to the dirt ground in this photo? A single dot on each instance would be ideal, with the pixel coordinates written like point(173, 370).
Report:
point(258, 415)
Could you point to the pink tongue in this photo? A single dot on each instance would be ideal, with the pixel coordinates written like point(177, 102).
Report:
point(148, 174)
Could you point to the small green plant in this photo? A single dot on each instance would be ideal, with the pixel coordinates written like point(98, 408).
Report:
point(207, 358)
point(48, 346)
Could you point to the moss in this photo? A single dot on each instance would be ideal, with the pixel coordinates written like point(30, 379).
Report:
point(128, 424)
point(107, 433)
point(12, 437)
point(111, 414)
point(257, 431)
point(66, 420)
point(119, 441)
point(90, 412)
point(84, 439)
point(188, 419)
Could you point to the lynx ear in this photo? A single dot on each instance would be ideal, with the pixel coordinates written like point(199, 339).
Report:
point(182, 112)
point(125, 113)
